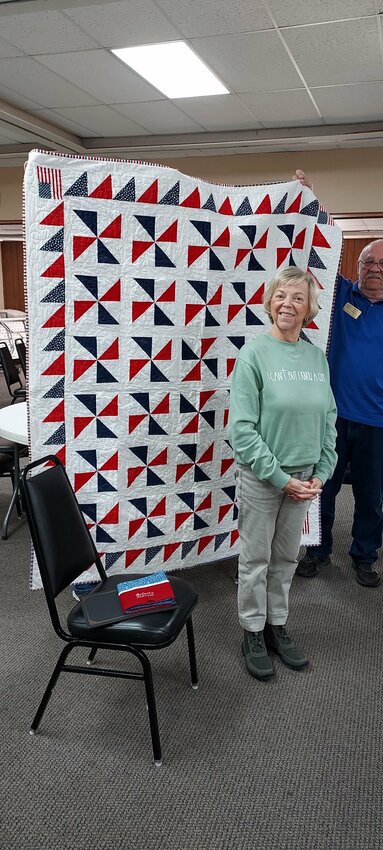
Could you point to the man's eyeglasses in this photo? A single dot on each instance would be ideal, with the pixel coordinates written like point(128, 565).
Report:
point(368, 264)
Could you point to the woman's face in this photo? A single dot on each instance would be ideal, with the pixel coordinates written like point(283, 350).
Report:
point(289, 307)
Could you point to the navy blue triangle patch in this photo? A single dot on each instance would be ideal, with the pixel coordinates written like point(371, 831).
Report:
point(200, 287)
point(89, 217)
point(145, 342)
point(209, 417)
point(156, 375)
point(187, 547)
point(104, 486)
point(89, 343)
point(102, 431)
point(250, 231)
point(254, 265)
point(219, 539)
point(89, 400)
point(212, 365)
point(152, 479)
point(209, 204)
point(104, 255)
point(57, 391)
point(204, 228)
point(90, 511)
point(80, 187)
point(210, 321)
point(291, 260)
point(315, 261)
point(188, 498)
point(57, 343)
point(281, 206)
point(142, 399)
point(104, 317)
point(238, 341)
point(90, 455)
point(103, 376)
point(148, 222)
point(141, 452)
point(102, 536)
point(154, 427)
point(161, 259)
point(90, 282)
point(160, 318)
point(187, 352)
point(251, 318)
point(55, 243)
point(244, 208)
point(111, 558)
point(186, 406)
point(199, 523)
point(147, 285)
point(190, 450)
point(288, 230)
point(322, 217)
point(140, 505)
point(152, 530)
point(56, 295)
point(214, 262)
point(172, 196)
point(240, 288)
point(310, 209)
point(152, 552)
point(56, 439)
point(200, 475)
point(127, 193)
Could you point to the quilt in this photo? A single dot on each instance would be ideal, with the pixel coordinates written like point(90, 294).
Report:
point(142, 286)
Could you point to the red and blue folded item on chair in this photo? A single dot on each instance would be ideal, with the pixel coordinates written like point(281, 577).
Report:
point(148, 593)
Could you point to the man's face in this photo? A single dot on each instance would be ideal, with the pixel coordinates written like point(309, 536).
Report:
point(370, 269)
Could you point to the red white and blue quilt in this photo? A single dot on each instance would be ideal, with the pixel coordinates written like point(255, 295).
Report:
point(142, 285)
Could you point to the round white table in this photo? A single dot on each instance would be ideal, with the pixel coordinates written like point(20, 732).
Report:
point(14, 427)
point(13, 423)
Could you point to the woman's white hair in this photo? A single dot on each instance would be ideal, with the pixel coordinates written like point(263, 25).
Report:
point(287, 277)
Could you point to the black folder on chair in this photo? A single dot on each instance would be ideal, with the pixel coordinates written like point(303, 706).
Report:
point(101, 606)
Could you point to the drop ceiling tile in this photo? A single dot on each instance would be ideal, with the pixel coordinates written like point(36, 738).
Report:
point(15, 134)
point(64, 123)
point(124, 23)
point(313, 11)
point(216, 17)
point(253, 60)
point(359, 102)
point(18, 100)
point(44, 32)
point(102, 75)
point(159, 116)
point(346, 52)
point(103, 121)
point(26, 77)
point(219, 112)
point(7, 50)
point(282, 108)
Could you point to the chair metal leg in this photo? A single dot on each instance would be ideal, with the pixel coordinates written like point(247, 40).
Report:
point(48, 690)
point(91, 656)
point(192, 655)
point(152, 710)
point(15, 495)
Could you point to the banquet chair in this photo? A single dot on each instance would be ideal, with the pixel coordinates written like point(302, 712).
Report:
point(11, 374)
point(22, 354)
point(7, 467)
point(64, 548)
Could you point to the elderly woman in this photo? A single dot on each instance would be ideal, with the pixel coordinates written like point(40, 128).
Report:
point(282, 431)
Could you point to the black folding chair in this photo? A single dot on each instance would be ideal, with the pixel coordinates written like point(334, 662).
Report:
point(9, 465)
point(11, 374)
point(64, 549)
point(22, 354)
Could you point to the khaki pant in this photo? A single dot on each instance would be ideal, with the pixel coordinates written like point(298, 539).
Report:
point(270, 527)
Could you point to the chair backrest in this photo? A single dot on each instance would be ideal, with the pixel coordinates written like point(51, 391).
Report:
point(22, 354)
point(11, 374)
point(63, 545)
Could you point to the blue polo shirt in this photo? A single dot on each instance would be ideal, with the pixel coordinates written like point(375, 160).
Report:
point(356, 356)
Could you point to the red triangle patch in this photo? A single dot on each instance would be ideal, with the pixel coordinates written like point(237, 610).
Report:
point(80, 423)
point(80, 244)
point(295, 206)
point(56, 217)
point(169, 294)
point(135, 420)
point(299, 240)
point(262, 242)
point(192, 426)
point(104, 190)
point(169, 549)
point(111, 409)
point(195, 251)
point(257, 298)
point(150, 196)
point(139, 248)
point(131, 556)
point(81, 478)
point(114, 293)
point(282, 253)
point(233, 310)
point(265, 206)
point(111, 353)
point(195, 374)
point(81, 366)
point(170, 234)
point(203, 542)
point(217, 297)
point(133, 473)
point(111, 518)
point(241, 254)
point(139, 308)
point(57, 414)
point(192, 310)
point(111, 464)
point(56, 368)
point(223, 241)
point(82, 307)
point(57, 320)
point(319, 241)
point(165, 353)
point(226, 208)
point(193, 200)
point(135, 367)
point(160, 509)
point(163, 406)
point(57, 269)
point(206, 344)
point(113, 230)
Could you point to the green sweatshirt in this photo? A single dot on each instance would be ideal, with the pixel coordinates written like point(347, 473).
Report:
point(282, 411)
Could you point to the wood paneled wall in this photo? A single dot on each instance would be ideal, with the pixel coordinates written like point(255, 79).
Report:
point(350, 254)
point(13, 277)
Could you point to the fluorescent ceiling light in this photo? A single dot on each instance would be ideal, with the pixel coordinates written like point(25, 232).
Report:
point(172, 68)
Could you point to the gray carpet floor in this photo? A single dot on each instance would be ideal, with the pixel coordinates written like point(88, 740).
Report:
point(293, 764)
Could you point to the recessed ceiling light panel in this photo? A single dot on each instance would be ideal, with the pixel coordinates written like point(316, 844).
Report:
point(173, 68)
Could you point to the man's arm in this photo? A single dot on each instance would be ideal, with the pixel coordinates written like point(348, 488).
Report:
point(303, 179)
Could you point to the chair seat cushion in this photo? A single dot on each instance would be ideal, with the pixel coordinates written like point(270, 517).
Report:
point(149, 631)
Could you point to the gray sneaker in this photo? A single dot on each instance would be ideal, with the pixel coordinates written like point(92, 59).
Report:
point(276, 638)
point(257, 661)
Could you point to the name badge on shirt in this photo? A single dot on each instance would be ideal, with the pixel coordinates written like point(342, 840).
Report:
point(352, 311)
